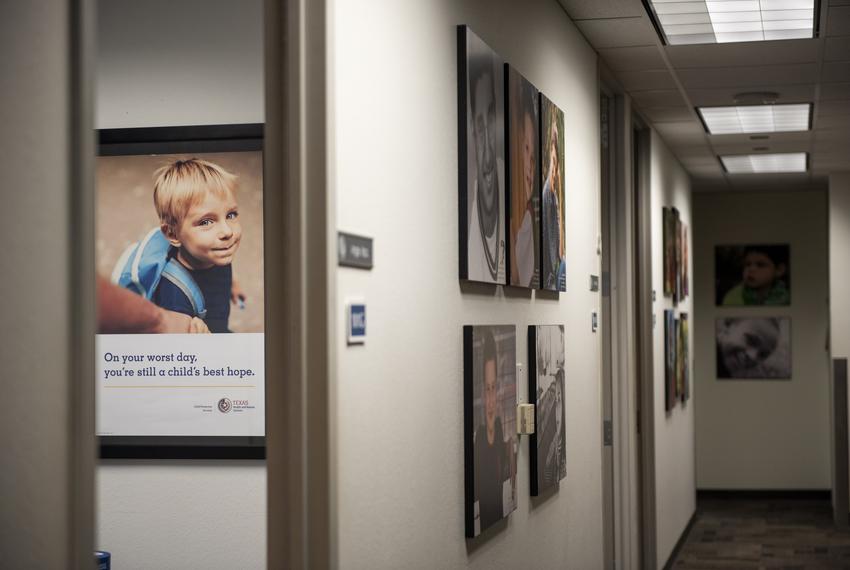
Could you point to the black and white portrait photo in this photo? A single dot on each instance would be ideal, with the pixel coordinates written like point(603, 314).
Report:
point(546, 381)
point(482, 160)
point(754, 348)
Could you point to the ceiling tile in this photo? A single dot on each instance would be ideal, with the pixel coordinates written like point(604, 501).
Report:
point(660, 98)
point(713, 170)
point(646, 80)
point(767, 181)
point(837, 49)
point(686, 133)
point(618, 32)
point(589, 9)
point(831, 134)
point(831, 108)
point(667, 114)
point(835, 72)
point(726, 95)
point(633, 58)
point(745, 77)
point(838, 21)
point(832, 121)
point(834, 91)
point(748, 53)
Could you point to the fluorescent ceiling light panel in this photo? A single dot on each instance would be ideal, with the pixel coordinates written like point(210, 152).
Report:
point(764, 163)
point(756, 118)
point(724, 21)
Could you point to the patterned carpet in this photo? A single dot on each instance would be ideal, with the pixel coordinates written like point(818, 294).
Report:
point(753, 533)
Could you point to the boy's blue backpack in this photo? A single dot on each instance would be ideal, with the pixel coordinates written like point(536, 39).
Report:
point(144, 263)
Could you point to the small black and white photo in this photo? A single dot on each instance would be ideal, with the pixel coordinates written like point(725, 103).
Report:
point(546, 381)
point(754, 348)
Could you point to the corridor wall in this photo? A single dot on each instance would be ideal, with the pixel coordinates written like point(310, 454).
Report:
point(675, 480)
point(764, 434)
point(158, 66)
point(400, 396)
point(839, 267)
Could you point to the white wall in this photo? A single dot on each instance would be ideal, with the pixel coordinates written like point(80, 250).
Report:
point(400, 396)
point(675, 480)
point(184, 62)
point(164, 63)
point(764, 434)
point(839, 267)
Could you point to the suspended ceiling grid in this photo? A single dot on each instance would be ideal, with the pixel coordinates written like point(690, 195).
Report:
point(667, 83)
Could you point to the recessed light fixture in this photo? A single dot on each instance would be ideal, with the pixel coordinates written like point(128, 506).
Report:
point(756, 118)
point(764, 163)
point(724, 21)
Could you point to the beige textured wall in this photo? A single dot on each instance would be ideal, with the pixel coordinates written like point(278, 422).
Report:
point(764, 434)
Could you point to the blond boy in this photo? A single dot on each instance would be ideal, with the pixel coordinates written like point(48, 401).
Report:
point(196, 203)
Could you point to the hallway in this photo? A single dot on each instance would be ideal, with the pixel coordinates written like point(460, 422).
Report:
point(764, 533)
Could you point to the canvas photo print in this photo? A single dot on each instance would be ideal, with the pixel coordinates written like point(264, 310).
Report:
point(684, 338)
point(670, 358)
point(523, 144)
point(490, 439)
point(552, 264)
point(753, 348)
point(546, 384)
point(754, 274)
point(669, 229)
point(481, 102)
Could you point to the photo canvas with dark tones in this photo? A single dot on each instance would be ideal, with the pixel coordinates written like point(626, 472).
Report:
point(669, 227)
point(553, 269)
point(686, 362)
point(490, 438)
point(523, 150)
point(680, 360)
point(678, 272)
point(752, 275)
point(481, 164)
point(669, 359)
point(754, 348)
point(546, 387)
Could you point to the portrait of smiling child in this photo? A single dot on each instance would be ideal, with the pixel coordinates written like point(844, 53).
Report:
point(196, 203)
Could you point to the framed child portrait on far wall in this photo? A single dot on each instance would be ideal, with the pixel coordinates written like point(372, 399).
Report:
point(752, 274)
point(179, 258)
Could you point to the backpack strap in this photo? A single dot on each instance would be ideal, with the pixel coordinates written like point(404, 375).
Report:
point(183, 280)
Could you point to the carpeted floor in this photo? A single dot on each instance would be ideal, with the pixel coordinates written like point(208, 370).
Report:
point(752, 533)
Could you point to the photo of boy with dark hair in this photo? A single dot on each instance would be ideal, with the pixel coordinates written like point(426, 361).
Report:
point(752, 275)
point(491, 443)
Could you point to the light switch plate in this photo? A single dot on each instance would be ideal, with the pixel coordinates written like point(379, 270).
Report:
point(525, 414)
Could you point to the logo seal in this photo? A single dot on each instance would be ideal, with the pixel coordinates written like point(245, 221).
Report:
point(225, 405)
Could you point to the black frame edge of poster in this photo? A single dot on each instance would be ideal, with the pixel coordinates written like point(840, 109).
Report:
point(508, 189)
point(462, 174)
point(532, 395)
point(468, 442)
point(176, 140)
